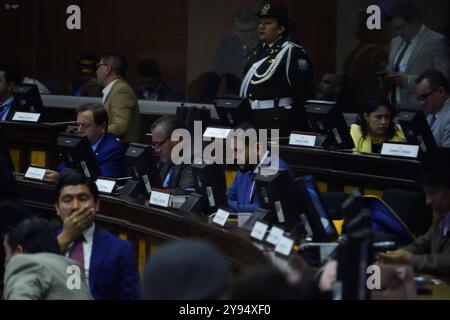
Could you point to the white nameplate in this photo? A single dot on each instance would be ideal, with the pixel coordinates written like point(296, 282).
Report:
point(26, 116)
point(400, 150)
point(284, 246)
point(259, 230)
point(35, 173)
point(221, 217)
point(275, 235)
point(105, 186)
point(302, 140)
point(160, 199)
point(218, 133)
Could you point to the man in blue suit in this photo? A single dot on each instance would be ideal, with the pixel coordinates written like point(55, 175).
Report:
point(92, 120)
point(242, 195)
point(9, 77)
point(110, 264)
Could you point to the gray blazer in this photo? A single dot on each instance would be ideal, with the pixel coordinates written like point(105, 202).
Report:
point(182, 178)
point(431, 252)
point(432, 51)
point(441, 126)
point(42, 276)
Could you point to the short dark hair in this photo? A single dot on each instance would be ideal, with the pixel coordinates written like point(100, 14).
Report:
point(74, 178)
point(247, 125)
point(435, 170)
point(372, 105)
point(12, 72)
point(98, 111)
point(168, 124)
point(34, 235)
point(117, 61)
point(435, 78)
point(405, 10)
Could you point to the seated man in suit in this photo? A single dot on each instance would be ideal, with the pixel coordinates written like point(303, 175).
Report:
point(430, 253)
point(9, 77)
point(242, 195)
point(92, 122)
point(110, 263)
point(178, 178)
point(119, 98)
point(35, 267)
point(432, 91)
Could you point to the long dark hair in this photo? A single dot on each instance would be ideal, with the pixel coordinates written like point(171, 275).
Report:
point(371, 106)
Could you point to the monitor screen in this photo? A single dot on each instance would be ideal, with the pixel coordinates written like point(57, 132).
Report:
point(210, 182)
point(317, 215)
point(325, 118)
point(416, 130)
point(277, 194)
point(29, 98)
point(232, 111)
point(77, 154)
point(141, 166)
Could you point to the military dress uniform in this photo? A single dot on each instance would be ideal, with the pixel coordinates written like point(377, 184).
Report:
point(277, 82)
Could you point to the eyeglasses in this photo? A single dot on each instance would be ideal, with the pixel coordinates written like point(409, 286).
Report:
point(158, 144)
point(424, 97)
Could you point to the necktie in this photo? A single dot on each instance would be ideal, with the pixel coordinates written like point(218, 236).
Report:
point(396, 69)
point(77, 253)
point(432, 120)
point(168, 177)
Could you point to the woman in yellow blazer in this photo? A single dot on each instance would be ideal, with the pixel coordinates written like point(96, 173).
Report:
point(375, 126)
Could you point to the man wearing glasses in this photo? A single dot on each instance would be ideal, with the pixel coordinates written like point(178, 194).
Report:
point(432, 92)
point(179, 178)
point(92, 122)
point(119, 98)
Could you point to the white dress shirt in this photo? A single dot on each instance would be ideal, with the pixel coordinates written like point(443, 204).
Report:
point(106, 90)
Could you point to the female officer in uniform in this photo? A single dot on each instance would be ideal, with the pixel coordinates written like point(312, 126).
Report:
point(277, 75)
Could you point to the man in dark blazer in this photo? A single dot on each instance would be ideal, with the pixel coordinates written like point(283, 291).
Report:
point(179, 178)
point(92, 121)
point(110, 263)
point(9, 77)
point(430, 253)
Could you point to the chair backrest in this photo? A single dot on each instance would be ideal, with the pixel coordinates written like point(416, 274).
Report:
point(411, 208)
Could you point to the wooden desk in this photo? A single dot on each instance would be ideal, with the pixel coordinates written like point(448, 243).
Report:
point(342, 171)
point(147, 227)
point(32, 144)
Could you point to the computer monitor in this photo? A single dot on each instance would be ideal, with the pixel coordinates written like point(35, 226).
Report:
point(141, 167)
point(77, 154)
point(325, 118)
point(317, 216)
point(277, 194)
point(29, 98)
point(354, 256)
point(210, 189)
point(232, 111)
point(416, 130)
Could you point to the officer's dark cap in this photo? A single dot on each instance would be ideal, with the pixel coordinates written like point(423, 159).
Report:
point(276, 11)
